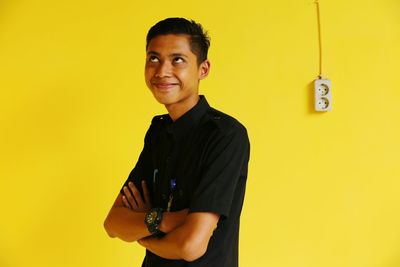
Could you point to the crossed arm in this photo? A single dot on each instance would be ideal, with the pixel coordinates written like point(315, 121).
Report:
point(187, 234)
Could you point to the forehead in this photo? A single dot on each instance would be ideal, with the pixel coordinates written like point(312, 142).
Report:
point(170, 43)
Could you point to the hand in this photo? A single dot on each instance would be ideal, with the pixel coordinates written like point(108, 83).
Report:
point(134, 200)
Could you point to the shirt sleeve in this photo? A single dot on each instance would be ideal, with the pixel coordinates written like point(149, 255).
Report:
point(142, 169)
point(224, 171)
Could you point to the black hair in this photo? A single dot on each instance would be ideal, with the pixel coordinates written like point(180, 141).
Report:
point(199, 39)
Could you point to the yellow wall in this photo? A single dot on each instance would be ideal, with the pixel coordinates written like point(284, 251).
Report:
point(323, 189)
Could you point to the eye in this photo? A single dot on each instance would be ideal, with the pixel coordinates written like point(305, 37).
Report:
point(178, 60)
point(153, 59)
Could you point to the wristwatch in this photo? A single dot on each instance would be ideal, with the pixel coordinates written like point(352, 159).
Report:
point(153, 219)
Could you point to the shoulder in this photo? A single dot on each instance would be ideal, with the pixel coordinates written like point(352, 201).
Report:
point(157, 124)
point(224, 124)
point(158, 119)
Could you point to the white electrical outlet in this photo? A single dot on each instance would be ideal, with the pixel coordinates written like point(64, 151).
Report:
point(323, 95)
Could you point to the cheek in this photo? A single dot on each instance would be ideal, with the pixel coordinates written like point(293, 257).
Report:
point(185, 75)
point(147, 78)
point(148, 75)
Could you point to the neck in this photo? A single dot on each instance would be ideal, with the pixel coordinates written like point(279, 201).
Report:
point(176, 110)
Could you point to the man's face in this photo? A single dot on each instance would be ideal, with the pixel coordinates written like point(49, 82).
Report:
point(172, 72)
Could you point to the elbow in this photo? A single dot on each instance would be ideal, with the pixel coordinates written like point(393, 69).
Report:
point(114, 231)
point(108, 228)
point(193, 248)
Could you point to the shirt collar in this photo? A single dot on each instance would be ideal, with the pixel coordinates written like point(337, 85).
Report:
point(189, 120)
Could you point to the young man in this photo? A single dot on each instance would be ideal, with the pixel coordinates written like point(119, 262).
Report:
point(183, 199)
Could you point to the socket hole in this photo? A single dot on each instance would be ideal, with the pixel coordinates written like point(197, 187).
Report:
point(323, 103)
point(323, 89)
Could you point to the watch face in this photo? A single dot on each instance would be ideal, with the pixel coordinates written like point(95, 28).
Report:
point(151, 217)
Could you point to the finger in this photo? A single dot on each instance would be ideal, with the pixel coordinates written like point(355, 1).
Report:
point(125, 202)
point(129, 197)
point(136, 195)
point(146, 193)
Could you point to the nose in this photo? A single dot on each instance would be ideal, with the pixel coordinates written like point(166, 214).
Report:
point(163, 70)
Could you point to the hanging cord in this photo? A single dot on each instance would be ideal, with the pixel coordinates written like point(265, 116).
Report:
point(319, 39)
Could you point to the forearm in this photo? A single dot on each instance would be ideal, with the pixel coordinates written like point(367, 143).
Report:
point(129, 225)
point(126, 224)
point(188, 241)
point(172, 246)
point(172, 220)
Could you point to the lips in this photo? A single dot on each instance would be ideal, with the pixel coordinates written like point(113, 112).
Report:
point(164, 85)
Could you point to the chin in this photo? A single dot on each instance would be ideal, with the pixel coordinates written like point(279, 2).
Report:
point(165, 100)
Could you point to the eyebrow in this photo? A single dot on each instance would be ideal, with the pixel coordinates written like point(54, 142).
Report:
point(171, 55)
point(153, 53)
point(178, 55)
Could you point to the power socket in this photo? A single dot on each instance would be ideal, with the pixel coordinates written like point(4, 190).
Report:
point(323, 95)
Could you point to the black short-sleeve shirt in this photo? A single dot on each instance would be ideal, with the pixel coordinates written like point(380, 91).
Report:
point(200, 161)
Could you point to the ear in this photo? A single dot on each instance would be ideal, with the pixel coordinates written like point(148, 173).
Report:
point(204, 69)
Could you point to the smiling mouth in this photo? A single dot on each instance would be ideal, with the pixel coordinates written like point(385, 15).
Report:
point(164, 86)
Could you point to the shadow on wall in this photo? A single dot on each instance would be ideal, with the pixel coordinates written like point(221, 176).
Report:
point(310, 97)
